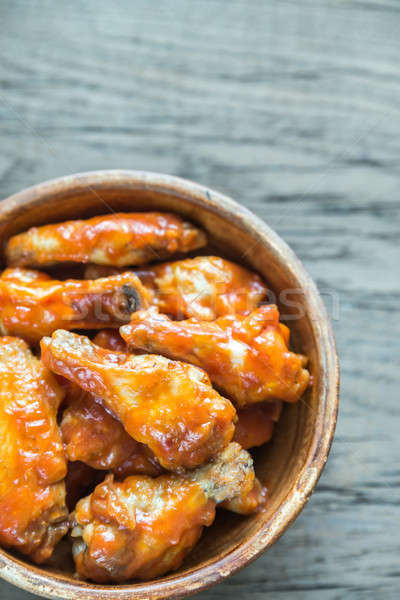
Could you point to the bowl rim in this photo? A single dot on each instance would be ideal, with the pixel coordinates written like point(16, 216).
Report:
point(32, 578)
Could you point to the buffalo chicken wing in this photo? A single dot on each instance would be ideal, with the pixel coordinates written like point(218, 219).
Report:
point(246, 357)
point(142, 527)
point(33, 513)
point(204, 287)
point(32, 307)
point(121, 239)
point(168, 405)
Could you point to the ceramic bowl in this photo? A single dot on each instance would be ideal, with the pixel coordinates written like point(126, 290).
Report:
point(291, 463)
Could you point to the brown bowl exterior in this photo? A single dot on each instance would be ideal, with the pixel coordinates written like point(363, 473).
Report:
point(291, 464)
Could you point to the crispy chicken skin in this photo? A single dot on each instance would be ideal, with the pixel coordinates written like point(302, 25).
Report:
point(255, 423)
point(33, 514)
point(142, 527)
point(168, 405)
point(120, 239)
point(246, 357)
point(93, 436)
point(31, 307)
point(205, 287)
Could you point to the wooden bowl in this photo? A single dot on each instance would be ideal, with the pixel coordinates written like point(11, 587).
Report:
point(292, 462)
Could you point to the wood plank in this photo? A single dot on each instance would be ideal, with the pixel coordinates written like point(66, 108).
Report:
point(293, 109)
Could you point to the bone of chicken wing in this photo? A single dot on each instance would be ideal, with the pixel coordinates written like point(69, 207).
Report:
point(33, 306)
point(93, 436)
point(245, 356)
point(142, 527)
point(120, 239)
point(33, 514)
point(255, 423)
point(168, 405)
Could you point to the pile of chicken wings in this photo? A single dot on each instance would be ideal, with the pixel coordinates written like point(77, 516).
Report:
point(130, 395)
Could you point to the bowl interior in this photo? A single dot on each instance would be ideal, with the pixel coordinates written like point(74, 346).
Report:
point(290, 464)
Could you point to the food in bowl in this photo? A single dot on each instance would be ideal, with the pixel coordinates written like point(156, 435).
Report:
point(137, 407)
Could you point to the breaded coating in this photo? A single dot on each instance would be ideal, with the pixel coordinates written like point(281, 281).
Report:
point(33, 513)
point(119, 239)
point(167, 405)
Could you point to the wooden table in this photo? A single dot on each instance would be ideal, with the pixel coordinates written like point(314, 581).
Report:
point(293, 109)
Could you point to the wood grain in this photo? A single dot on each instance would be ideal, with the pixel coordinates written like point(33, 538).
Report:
point(293, 109)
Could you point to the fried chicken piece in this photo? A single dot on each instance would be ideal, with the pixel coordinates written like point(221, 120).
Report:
point(119, 239)
point(93, 436)
point(205, 287)
point(255, 423)
point(33, 306)
point(33, 514)
point(142, 527)
point(168, 405)
point(245, 356)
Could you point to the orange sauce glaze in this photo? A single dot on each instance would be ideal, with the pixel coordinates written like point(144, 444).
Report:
point(120, 239)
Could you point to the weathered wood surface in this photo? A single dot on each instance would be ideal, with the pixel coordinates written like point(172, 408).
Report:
point(293, 109)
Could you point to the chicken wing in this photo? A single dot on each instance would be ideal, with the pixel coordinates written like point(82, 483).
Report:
point(93, 436)
point(120, 239)
point(246, 357)
point(31, 307)
point(204, 287)
point(168, 405)
point(255, 423)
point(142, 528)
point(33, 514)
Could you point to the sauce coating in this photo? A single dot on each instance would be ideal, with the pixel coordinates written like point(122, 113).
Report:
point(246, 357)
point(168, 405)
point(33, 514)
point(144, 527)
point(120, 239)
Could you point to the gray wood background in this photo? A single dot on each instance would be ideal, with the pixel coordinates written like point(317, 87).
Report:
point(293, 109)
